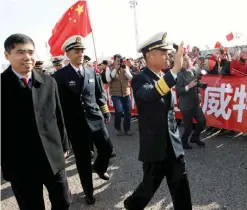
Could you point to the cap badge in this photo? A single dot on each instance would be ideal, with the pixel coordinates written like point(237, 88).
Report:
point(78, 39)
point(164, 36)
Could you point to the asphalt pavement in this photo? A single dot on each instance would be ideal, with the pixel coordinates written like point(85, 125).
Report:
point(217, 175)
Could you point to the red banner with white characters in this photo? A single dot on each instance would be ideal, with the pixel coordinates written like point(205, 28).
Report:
point(224, 102)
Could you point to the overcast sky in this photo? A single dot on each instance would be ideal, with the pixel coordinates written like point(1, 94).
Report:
point(196, 22)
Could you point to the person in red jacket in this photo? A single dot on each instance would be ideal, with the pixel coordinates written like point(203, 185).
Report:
point(239, 63)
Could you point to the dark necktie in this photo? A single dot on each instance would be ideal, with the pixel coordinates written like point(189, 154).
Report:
point(25, 81)
point(80, 73)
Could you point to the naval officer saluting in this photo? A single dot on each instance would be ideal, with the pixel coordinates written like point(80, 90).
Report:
point(161, 149)
point(85, 113)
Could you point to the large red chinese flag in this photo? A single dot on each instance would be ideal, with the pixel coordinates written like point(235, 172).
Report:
point(229, 37)
point(75, 21)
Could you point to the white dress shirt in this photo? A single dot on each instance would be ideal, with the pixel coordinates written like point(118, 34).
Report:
point(29, 77)
point(76, 68)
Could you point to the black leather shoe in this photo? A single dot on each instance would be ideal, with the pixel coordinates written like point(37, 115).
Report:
point(104, 176)
point(187, 146)
point(90, 200)
point(200, 143)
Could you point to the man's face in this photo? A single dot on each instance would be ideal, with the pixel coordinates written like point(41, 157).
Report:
point(244, 53)
point(117, 63)
point(195, 52)
point(159, 58)
point(76, 56)
point(95, 65)
point(22, 58)
point(101, 67)
point(58, 67)
point(187, 62)
point(104, 66)
point(129, 63)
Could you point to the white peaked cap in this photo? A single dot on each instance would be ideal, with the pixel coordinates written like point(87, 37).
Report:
point(73, 42)
point(157, 41)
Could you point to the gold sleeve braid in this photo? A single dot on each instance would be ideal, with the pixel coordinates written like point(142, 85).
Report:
point(162, 87)
point(104, 109)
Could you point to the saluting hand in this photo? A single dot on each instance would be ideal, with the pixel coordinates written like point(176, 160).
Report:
point(178, 60)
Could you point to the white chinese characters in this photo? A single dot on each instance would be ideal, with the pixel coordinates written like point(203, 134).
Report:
point(242, 102)
point(220, 101)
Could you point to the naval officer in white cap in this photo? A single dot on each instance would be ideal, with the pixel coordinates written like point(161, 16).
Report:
point(57, 63)
point(85, 113)
point(161, 149)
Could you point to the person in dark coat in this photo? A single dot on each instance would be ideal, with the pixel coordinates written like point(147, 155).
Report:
point(34, 138)
point(187, 88)
point(85, 112)
point(161, 149)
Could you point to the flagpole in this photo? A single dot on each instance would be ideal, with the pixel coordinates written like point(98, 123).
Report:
point(133, 4)
point(94, 48)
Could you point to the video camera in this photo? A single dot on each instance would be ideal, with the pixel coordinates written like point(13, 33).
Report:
point(199, 77)
point(122, 63)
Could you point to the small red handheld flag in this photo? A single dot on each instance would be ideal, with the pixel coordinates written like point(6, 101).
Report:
point(217, 45)
point(229, 37)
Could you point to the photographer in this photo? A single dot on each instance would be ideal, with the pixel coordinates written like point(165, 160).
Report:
point(189, 103)
point(118, 80)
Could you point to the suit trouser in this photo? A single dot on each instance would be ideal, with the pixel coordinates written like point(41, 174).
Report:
point(29, 192)
point(174, 170)
point(188, 116)
point(108, 140)
point(82, 148)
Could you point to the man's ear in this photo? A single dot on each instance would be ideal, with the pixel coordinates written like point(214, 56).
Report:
point(67, 54)
point(6, 54)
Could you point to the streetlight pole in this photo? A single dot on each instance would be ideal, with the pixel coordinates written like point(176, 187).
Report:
point(133, 5)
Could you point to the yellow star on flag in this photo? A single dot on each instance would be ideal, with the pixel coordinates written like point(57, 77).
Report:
point(79, 9)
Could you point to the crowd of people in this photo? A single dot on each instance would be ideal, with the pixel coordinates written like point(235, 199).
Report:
point(220, 62)
point(44, 116)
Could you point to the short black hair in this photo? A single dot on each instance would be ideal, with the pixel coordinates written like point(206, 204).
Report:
point(105, 62)
point(14, 39)
point(117, 56)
